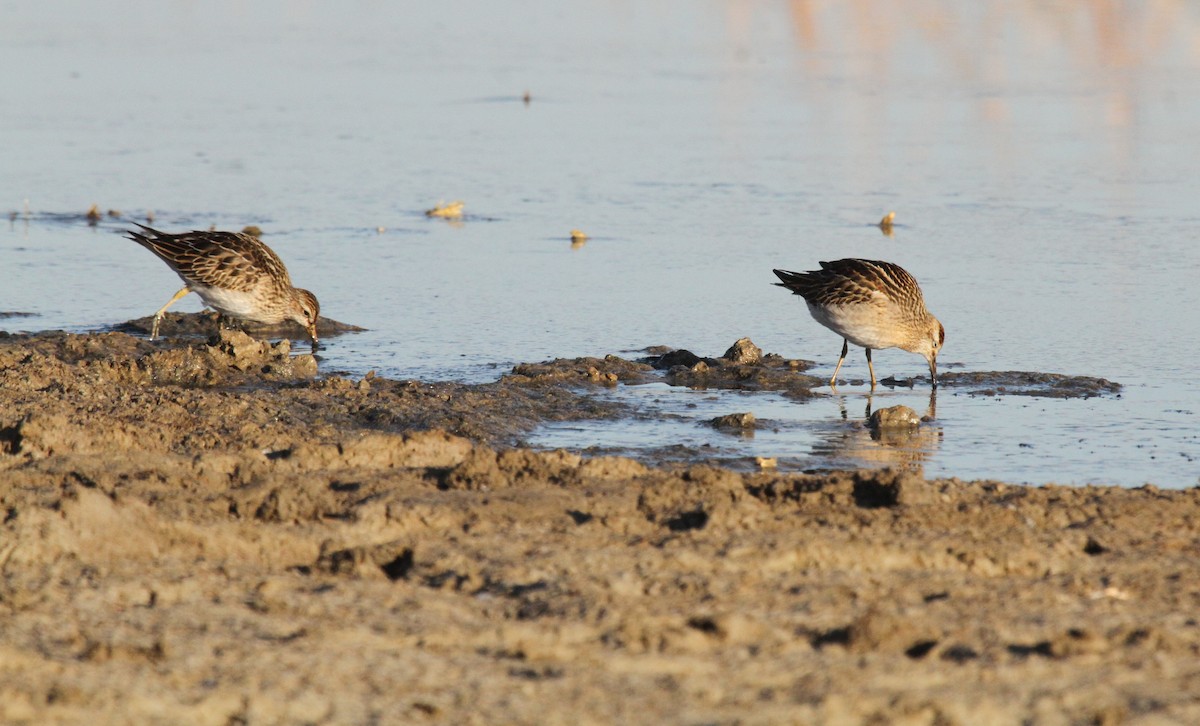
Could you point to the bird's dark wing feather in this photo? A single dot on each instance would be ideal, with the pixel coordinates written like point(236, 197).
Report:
point(229, 260)
point(851, 281)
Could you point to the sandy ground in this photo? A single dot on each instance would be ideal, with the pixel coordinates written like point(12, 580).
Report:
point(205, 533)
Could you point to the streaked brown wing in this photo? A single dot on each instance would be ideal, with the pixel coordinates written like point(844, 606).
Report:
point(851, 281)
point(227, 260)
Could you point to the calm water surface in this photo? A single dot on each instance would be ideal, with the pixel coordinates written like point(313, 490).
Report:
point(1040, 157)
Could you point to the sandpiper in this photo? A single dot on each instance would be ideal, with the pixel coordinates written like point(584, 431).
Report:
point(234, 274)
point(869, 303)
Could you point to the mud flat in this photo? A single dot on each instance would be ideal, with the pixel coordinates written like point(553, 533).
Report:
point(202, 531)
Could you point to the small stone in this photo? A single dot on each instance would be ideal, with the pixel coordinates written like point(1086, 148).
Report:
point(304, 366)
point(676, 358)
point(734, 421)
point(744, 351)
point(894, 417)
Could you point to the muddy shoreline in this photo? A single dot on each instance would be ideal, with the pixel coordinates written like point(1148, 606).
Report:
point(204, 530)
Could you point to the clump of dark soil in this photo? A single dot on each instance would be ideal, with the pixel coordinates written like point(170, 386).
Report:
point(1024, 383)
point(207, 323)
point(743, 367)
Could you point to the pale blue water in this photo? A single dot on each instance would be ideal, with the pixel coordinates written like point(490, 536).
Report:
point(1040, 157)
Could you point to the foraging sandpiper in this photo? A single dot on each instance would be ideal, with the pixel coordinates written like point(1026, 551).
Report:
point(234, 274)
point(869, 303)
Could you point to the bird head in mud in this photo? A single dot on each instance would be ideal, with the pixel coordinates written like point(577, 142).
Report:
point(305, 310)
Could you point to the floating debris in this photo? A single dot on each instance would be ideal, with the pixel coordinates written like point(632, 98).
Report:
point(766, 462)
point(93, 214)
point(885, 224)
point(380, 229)
point(578, 238)
point(453, 210)
point(253, 230)
point(149, 216)
point(527, 98)
point(114, 213)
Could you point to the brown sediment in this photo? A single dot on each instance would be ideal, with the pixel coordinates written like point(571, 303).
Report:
point(1028, 383)
point(206, 323)
point(201, 532)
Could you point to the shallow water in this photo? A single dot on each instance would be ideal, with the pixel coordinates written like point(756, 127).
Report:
point(1040, 159)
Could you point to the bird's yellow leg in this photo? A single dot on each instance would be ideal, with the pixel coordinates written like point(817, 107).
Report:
point(871, 368)
point(158, 316)
point(845, 349)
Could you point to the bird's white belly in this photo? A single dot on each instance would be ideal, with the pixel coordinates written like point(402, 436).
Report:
point(231, 302)
point(869, 326)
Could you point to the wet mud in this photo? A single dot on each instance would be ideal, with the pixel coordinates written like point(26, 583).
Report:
point(203, 530)
point(1023, 383)
point(207, 323)
point(745, 367)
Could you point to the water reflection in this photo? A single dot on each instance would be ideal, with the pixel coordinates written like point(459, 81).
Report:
point(859, 443)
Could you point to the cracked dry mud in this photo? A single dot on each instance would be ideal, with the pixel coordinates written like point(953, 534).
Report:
point(202, 532)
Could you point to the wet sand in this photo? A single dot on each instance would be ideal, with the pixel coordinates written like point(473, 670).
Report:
point(201, 530)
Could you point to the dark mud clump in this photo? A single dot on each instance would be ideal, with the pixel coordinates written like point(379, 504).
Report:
point(743, 367)
point(1020, 383)
point(735, 422)
point(739, 369)
point(607, 371)
point(208, 322)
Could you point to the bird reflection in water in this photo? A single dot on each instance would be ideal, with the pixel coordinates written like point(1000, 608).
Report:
point(861, 444)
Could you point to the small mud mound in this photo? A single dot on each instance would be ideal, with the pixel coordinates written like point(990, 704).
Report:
point(1024, 383)
point(743, 367)
point(208, 322)
point(604, 371)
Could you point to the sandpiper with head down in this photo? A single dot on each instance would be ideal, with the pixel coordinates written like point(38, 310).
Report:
point(235, 274)
point(869, 303)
